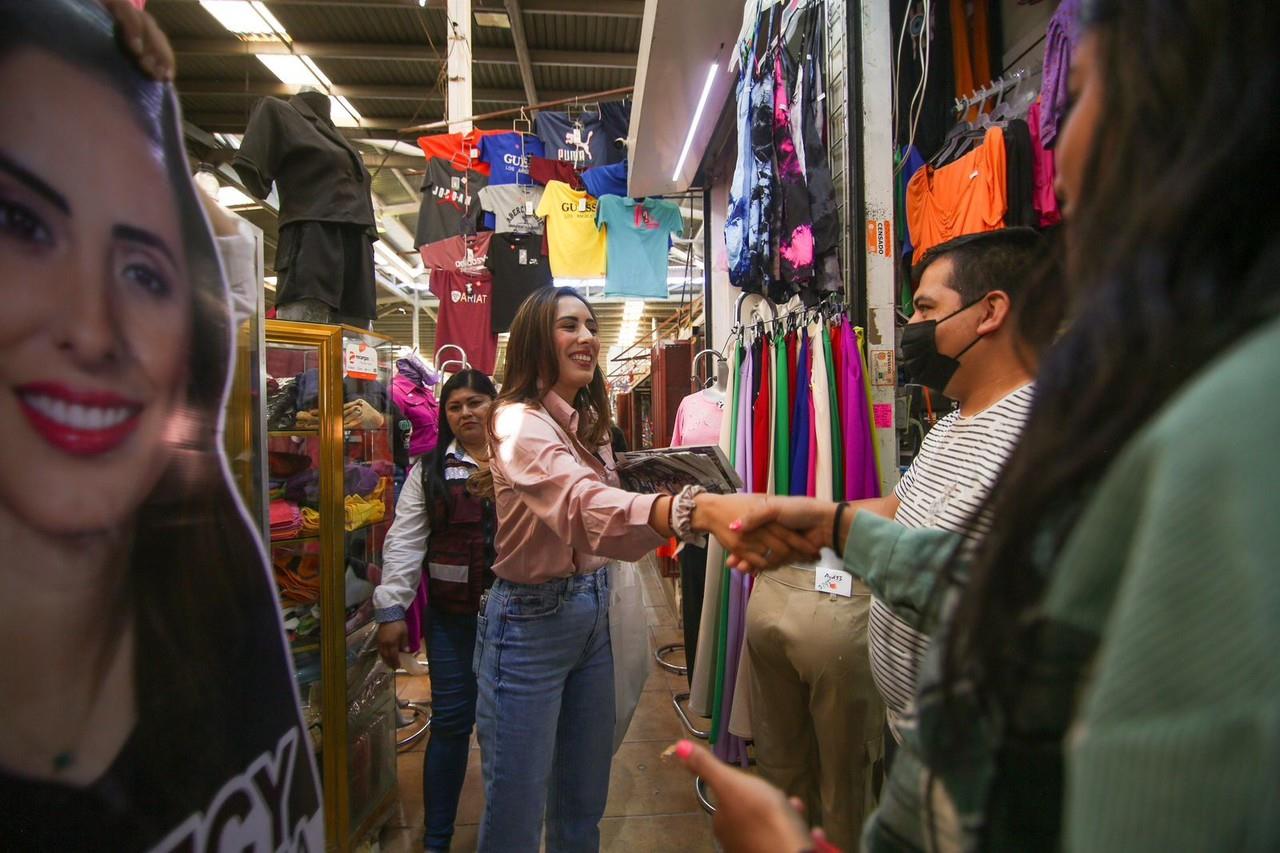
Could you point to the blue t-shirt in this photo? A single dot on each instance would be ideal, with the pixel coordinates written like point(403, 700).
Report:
point(591, 148)
point(615, 117)
point(601, 181)
point(638, 239)
point(502, 151)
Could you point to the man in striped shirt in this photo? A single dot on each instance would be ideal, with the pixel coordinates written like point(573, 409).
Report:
point(965, 303)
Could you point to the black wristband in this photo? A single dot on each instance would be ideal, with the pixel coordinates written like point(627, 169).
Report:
point(836, 544)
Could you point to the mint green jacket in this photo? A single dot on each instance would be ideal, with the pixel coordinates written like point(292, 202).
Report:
point(1150, 716)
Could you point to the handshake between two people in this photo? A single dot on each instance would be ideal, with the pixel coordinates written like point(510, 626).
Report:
point(762, 532)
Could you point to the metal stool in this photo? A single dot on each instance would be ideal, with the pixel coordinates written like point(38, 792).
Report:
point(700, 789)
point(670, 648)
point(420, 710)
point(684, 716)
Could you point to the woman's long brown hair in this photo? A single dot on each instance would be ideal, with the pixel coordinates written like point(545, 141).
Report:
point(533, 369)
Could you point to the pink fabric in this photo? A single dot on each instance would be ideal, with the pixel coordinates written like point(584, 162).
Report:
point(1043, 172)
point(697, 421)
point(413, 618)
point(560, 508)
point(421, 409)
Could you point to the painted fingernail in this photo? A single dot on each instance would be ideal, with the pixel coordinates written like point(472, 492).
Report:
point(735, 525)
point(684, 749)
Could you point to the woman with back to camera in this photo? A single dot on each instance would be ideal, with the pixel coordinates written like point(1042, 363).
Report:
point(545, 714)
point(1106, 676)
point(147, 695)
point(443, 526)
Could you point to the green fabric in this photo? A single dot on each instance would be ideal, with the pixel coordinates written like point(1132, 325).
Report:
point(722, 618)
point(1149, 708)
point(782, 429)
point(833, 407)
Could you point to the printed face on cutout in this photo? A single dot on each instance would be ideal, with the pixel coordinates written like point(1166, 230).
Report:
point(97, 320)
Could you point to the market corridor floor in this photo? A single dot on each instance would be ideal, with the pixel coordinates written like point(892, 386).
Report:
point(652, 806)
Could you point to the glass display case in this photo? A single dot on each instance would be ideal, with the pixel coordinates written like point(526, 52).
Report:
point(329, 499)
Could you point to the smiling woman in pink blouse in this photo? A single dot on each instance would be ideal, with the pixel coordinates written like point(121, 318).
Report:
point(545, 713)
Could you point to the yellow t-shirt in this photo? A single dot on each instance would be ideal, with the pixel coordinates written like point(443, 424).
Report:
point(576, 246)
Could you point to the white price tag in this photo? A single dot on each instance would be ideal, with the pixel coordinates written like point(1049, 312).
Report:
point(528, 208)
point(471, 254)
point(524, 257)
point(834, 581)
point(360, 361)
point(475, 153)
point(582, 204)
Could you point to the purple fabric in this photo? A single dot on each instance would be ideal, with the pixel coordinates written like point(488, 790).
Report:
point(862, 480)
point(730, 747)
point(801, 419)
point(1061, 37)
point(420, 408)
point(304, 488)
point(417, 372)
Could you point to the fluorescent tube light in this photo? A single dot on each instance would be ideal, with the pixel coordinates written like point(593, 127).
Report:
point(697, 117)
point(246, 19)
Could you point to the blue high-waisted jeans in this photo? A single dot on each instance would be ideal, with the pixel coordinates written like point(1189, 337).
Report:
point(545, 713)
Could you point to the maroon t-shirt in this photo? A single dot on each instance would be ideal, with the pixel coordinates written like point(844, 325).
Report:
point(464, 316)
point(543, 170)
point(451, 253)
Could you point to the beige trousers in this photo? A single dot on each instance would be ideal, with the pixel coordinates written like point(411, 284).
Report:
point(816, 716)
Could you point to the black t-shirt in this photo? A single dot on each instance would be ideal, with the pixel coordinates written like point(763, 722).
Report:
point(450, 196)
point(519, 268)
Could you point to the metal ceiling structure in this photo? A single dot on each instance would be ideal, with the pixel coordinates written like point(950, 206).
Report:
point(387, 58)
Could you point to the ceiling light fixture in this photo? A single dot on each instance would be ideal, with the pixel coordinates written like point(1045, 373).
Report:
point(493, 18)
point(249, 20)
point(697, 117)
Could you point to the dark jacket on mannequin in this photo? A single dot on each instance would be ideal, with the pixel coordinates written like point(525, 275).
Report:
point(320, 175)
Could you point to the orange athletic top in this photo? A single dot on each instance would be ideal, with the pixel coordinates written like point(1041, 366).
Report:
point(457, 148)
point(967, 196)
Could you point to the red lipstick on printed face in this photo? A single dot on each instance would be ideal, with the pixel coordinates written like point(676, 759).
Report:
point(82, 423)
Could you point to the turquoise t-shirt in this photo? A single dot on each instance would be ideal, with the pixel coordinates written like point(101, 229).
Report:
point(638, 239)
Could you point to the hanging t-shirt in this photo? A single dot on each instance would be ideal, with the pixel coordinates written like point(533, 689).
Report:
point(514, 207)
point(459, 149)
point(639, 241)
point(544, 170)
point(966, 196)
point(460, 254)
point(581, 141)
point(615, 121)
point(601, 181)
point(576, 247)
point(519, 268)
point(507, 156)
point(698, 420)
point(448, 201)
point(463, 318)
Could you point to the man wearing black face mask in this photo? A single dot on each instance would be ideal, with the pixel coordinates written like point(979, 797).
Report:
point(963, 342)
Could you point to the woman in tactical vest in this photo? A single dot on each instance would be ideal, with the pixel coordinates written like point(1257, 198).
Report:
point(444, 525)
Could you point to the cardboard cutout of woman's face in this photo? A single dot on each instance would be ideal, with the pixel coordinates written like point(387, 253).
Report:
point(95, 331)
point(114, 349)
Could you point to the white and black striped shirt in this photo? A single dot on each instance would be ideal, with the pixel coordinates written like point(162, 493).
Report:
point(945, 485)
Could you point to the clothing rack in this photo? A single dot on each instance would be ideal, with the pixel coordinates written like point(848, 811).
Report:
point(998, 86)
point(516, 111)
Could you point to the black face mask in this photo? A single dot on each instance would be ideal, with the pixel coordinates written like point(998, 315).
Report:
point(919, 358)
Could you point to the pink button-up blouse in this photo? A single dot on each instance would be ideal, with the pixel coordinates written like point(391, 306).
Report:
point(558, 512)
